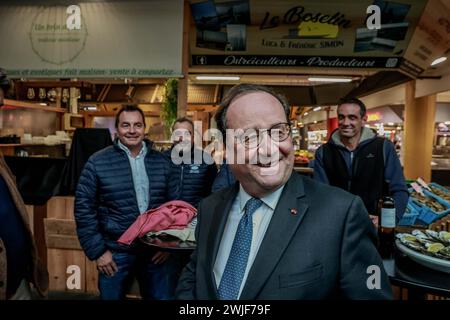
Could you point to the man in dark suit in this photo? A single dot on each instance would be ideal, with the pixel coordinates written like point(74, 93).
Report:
point(276, 234)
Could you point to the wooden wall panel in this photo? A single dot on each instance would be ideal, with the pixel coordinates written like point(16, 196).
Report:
point(63, 248)
point(58, 262)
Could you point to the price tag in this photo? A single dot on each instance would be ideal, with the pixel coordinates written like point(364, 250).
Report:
point(417, 188)
point(423, 184)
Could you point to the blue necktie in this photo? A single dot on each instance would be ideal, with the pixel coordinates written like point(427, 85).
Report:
point(237, 261)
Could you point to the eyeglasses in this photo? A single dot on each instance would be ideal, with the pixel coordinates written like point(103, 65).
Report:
point(252, 138)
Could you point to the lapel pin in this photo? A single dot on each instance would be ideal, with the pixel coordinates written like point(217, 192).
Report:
point(294, 211)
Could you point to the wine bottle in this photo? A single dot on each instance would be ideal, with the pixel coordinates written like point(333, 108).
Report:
point(387, 225)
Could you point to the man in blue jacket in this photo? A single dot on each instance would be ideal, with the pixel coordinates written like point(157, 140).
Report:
point(116, 185)
point(192, 170)
point(357, 160)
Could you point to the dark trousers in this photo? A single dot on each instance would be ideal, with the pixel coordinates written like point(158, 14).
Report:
point(156, 281)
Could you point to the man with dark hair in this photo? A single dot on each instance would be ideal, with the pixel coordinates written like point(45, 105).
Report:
point(117, 184)
point(192, 170)
point(357, 160)
point(19, 262)
point(129, 108)
point(277, 234)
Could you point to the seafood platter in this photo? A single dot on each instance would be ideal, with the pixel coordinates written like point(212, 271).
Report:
point(429, 248)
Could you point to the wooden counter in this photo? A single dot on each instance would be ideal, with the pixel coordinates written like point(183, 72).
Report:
point(54, 150)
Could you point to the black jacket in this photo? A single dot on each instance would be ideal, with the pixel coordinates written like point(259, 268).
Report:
point(191, 181)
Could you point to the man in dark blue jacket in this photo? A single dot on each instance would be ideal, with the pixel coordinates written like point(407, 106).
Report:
point(116, 185)
point(357, 160)
point(192, 170)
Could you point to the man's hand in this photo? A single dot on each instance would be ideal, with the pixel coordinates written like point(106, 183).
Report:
point(160, 257)
point(106, 264)
point(374, 220)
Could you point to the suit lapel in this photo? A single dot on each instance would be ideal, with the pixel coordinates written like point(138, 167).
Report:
point(219, 220)
point(286, 218)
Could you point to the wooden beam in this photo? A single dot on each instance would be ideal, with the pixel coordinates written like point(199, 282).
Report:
point(432, 86)
point(202, 108)
point(155, 93)
point(100, 95)
point(54, 83)
point(60, 226)
point(216, 93)
point(56, 241)
point(418, 135)
point(104, 92)
point(61, 234)
point(58, 97)
point(30, 105)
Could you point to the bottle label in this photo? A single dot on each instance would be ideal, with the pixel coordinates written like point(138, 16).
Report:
point(388, 217)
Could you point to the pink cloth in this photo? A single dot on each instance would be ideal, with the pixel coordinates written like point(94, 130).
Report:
point(174, 214)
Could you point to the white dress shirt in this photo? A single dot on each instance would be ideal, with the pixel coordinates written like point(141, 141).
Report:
point(261, 219)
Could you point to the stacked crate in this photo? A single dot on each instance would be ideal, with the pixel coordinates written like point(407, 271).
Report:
point(64, 250)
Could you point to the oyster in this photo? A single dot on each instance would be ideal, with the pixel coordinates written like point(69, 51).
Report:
point(432, 234)
point(406, 237)
point(411, 244)
point(419, 233)
point(440, 193)
point(430, 202)
point(422, 237)
point(434, 247)
point(444, 236)
point(428, 242)
point(445, 252)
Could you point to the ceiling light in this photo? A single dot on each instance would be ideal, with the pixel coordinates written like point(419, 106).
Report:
point(317, 108)
point(225, 78)
point(305, 114)
point(323, 79)
point(390, 123)
point(438, 60)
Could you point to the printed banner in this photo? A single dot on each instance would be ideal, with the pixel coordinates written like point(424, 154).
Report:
point(101, 40)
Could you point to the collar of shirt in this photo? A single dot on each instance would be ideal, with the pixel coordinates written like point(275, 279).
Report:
point(270, 200)
point(143, 151)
